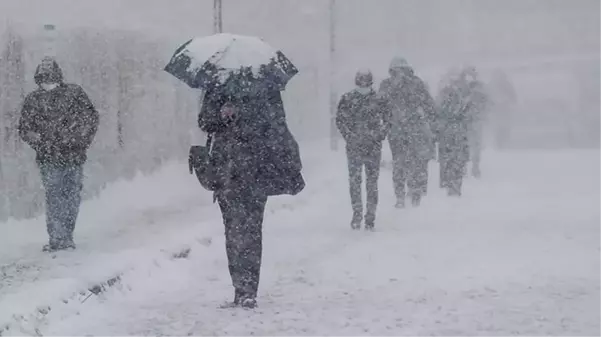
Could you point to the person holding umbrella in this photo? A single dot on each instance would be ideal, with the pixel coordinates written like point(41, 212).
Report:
point(253, 154)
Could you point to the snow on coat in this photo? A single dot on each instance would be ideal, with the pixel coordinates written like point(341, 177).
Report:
point(253, 147)
point(58, 122)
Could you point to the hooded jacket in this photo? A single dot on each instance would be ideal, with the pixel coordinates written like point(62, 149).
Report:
point(411, 108)
point(58, 123)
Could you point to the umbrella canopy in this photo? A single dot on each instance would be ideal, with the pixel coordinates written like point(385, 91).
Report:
point(231, 62)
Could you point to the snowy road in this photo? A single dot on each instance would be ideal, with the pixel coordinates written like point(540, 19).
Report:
point(518, 254)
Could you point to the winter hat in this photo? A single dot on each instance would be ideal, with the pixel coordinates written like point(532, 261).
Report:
point(364, 78)
point(48, 71)
point(398, 63)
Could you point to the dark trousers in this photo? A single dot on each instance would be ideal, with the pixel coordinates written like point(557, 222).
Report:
point(242, 213)
point(451, 175)
point(370, 158)
point(63, 185)
point(409, 170)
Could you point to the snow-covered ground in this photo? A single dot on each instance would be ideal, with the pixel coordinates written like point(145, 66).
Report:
point(518, 254)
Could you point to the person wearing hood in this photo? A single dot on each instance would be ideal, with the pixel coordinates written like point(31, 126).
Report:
point(411, 137)
point(364, 126)
point(59, 122)
point(254, 155)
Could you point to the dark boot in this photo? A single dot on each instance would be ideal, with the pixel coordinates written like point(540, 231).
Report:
point(67, 244)
point(54, 244)
point(370, 221)
point(50, 247)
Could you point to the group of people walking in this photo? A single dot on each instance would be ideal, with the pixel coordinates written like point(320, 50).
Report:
point(251, 154)
point(403, 111)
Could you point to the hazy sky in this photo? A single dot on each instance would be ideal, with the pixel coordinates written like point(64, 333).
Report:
point(369, 32)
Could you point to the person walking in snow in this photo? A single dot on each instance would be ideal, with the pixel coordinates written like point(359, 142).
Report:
point(364, 126)
point(454, 106)
point(254, 156)
point(59, 122)
point(411, 137)
point(478, 110)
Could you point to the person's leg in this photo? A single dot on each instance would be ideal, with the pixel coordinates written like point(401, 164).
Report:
point(231, 212)
point(456, 170)
point(72, 186)
point(251, 253)
point(242, 213)
point(418, 180)
point(372, 174)
point(52, 180)
point(399, 175)
point(354, 168)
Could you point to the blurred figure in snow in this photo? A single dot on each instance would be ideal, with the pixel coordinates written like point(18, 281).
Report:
point(59, 122)
point(412, 112)
point(477, 113)
point(364, 126)
point(454, 104)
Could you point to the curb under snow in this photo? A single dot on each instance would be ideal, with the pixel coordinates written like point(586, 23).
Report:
point(28, 323)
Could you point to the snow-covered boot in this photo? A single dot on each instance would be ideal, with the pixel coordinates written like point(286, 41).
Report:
point(67, 244)
point(48, 248)
point(249, 303)
point(356, 220)
point(370, 221)
point(235, 303)
point(52, 246)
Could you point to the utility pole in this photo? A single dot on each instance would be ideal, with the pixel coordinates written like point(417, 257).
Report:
point(49, 40)
point(333, 94)
point(217, 17)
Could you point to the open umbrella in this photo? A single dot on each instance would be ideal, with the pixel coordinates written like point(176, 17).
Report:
point(234, 62)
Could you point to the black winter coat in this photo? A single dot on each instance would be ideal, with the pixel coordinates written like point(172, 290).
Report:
point(361, 120)
point(412, 112)
point(59, 124)
point(254, 149)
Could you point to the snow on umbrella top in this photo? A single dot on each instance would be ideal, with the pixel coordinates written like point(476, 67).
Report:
point(228, 60)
